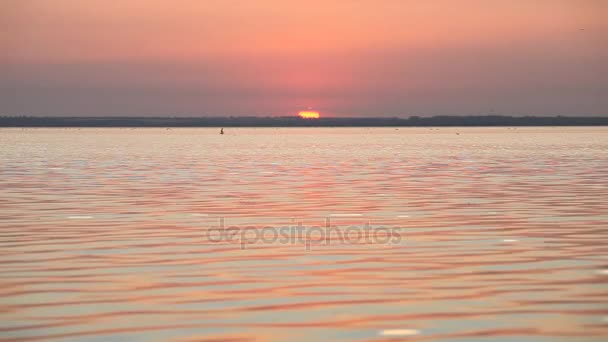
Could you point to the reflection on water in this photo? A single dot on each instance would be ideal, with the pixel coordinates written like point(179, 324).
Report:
point(104, 234)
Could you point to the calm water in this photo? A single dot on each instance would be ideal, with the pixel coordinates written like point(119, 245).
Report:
point(497, 234)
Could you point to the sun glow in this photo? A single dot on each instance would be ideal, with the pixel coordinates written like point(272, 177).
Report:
point(309, 114)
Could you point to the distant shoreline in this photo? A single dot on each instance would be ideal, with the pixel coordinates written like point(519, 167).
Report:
point(414, 121)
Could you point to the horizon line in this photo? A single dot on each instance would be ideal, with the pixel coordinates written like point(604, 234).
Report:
point(237, 116)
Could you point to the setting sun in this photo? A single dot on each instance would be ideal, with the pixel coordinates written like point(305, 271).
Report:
point(308, 114)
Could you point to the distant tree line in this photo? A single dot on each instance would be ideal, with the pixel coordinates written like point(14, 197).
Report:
point(414, 121)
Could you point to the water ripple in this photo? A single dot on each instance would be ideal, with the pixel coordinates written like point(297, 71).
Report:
point(113, 233)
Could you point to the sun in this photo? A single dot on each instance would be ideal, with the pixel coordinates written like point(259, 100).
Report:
point(309, 114)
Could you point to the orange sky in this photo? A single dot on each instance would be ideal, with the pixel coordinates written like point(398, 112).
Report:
point(275, 57)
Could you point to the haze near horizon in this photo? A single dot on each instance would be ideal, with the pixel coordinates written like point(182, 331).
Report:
point(275, 58)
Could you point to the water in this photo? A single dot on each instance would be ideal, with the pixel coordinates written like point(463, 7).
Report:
point(499, 234)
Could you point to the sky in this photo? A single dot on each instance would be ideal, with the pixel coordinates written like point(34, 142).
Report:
point(276, 57)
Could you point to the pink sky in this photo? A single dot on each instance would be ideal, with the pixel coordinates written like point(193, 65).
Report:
point(275, 57)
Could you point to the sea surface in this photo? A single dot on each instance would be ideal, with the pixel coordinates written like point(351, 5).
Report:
point(304, 234)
